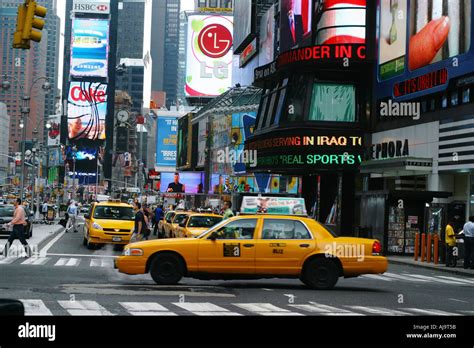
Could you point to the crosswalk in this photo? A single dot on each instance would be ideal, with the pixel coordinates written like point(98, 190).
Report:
point(37, 307)
point(59, 261)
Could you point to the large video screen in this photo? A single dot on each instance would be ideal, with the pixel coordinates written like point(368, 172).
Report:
point(166, 141)
point(89, 47)
point(333, 103)
point(267, 27)
point(87, 110)
point(209, 55)
point(340, 22)
point(243, 15)
point(295, 22)
point(186, 182)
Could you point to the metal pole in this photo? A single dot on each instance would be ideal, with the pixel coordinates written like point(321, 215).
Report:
point(97, 179)
point(73, 176)
point(25, 110)
point(37, 215)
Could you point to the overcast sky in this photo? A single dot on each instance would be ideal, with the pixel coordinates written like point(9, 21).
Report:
point(186, 5)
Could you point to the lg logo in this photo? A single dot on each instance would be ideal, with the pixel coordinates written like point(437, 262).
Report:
point(215, 40)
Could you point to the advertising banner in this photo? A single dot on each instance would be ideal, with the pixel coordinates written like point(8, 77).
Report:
point(243, 125)
point(202, 140)
point(91, 6)
point(273, 205)
point(166, 141)
point(89, 48)
point(209, 55)
point(243, 15)
point(54, 134)
point(87, 110)
point(267, 28)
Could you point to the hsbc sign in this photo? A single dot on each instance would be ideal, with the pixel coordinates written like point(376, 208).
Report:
point(90, 6)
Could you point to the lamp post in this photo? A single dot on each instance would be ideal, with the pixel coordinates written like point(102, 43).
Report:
point(37, 154)
point(74, 151)
point(25, 112)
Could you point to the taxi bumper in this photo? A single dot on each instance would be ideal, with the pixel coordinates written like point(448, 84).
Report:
point(130, 265)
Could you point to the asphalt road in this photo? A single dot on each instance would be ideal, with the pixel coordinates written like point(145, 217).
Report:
point(71, 280)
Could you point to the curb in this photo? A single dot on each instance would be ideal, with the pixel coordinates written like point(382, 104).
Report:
point(445, 270)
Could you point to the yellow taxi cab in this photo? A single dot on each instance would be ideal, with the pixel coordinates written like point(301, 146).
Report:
point(196, 224)
point(170, 227)
point(256, 246)
point(109, 222)
point(166, 219)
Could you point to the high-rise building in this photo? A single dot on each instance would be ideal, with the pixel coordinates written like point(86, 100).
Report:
point(26, 66)
point(165, 48)
point(4, 135)
point(131, 28)
point(213, 4)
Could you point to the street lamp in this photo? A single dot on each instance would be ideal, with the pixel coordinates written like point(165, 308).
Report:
point(25, 111)
point(74, 154)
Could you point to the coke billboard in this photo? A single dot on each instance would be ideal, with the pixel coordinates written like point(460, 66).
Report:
point(87, 110)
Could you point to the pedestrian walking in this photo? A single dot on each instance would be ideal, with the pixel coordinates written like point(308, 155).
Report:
point(228, 213)
point(450, 239)
point(159, 215)
point(469, 243)
point(44, 210)
point(139, 223)
point(72, 212)
point(18, 230)
point(148, 215)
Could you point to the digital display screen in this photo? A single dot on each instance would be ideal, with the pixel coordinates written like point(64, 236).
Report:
point(186, 182)
point(209, 55)
point(295, 22)
point(166, 141)
point(89, 48)
point(87, 110)
point(333, 103)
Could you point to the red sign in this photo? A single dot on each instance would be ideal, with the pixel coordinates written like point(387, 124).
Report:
point(421, 83)
point(93, 95)
point(215, 40)
point(140, 119)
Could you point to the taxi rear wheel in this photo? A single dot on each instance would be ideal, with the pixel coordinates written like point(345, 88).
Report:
point(166, 269)
point(320, 274)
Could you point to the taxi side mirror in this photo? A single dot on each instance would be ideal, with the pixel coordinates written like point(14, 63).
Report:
point(87, 216)
point(213, 236)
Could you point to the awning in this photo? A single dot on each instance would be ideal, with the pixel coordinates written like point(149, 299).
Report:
point(393, 167)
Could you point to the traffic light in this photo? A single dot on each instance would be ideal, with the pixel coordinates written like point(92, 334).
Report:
point(27, 23)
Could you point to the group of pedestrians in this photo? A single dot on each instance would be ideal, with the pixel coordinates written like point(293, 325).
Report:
point(450, 240)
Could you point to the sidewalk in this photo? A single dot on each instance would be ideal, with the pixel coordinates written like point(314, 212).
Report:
point(409, 261)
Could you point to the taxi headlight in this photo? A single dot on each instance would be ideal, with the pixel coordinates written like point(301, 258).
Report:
point(96, 226)
point(133, 252)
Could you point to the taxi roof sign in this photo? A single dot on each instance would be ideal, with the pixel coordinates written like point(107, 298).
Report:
point(273, 205)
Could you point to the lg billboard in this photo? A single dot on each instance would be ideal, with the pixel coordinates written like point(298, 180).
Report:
point(209, 55)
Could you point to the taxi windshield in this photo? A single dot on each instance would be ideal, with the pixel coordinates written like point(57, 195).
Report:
point(114, 213)
point(203, 221)
point(203, 234)
point(179, 218)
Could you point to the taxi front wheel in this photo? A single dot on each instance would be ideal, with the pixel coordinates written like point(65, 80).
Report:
point(320, 274)
point(166, 269)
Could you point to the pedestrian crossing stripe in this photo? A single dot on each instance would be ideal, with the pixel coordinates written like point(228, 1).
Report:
point(101, 263)
point(68, 262)
point(36, 307)
point(36, 261)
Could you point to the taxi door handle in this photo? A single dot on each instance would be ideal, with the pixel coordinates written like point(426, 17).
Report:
point(304, 245)
point(249, 245)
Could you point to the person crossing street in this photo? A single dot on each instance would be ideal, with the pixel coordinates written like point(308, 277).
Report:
point(72, 212)
point(18, 231)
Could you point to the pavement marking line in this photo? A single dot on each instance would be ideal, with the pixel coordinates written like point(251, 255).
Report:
point(379, 311)
point(322, 309)
point(36, 261)
point(265, 309)
point(8, 260)
point(81, 255)
point(376, 277)
point(467, 281)
point(204, 309)
point(402, 277)
point(434, 279)
point(43, 252)
point(95, 263)
point(35, 308)
point(146, 308)
point(67, 262)
point(455, 299)
point(84, 308)
point(429, 311)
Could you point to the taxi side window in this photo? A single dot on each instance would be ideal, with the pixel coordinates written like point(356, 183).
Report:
point(240, 229)
point(284, 229)
point(170, 217)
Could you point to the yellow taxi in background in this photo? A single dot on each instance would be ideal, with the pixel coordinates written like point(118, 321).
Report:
point(170, 227)
point(166, 219)
point(109, 222)
point(257, 246)
point(196, 224)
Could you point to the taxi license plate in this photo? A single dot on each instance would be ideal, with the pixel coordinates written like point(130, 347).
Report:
point(116, 239)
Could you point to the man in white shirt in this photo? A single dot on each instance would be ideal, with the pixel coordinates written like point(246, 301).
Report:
point(72, 212)
point(469, 243)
